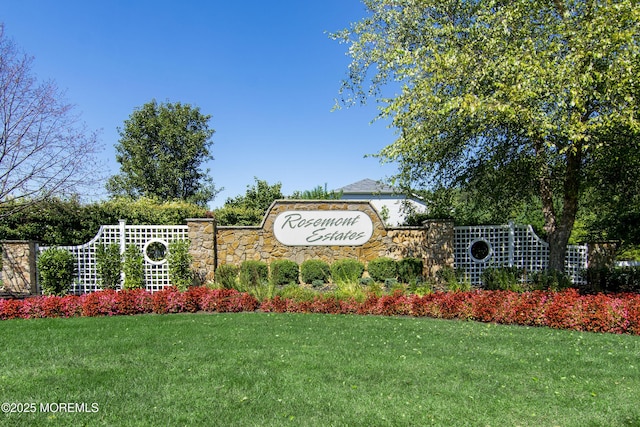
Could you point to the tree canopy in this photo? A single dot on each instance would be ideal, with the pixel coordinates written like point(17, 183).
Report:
point(517, 97)
point(249, 209)
point(161, 150)
point(44, 148)
point(317, 193)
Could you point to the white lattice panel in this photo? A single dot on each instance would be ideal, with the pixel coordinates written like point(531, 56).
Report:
point(509, 246)
point(156, 273)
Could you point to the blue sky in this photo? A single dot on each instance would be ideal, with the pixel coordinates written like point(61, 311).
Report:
point(267, 73)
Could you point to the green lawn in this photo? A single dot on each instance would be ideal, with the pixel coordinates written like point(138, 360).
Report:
point(301, 369)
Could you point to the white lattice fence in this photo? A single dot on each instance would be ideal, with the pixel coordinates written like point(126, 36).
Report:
point(145, 237)
point(479, 247)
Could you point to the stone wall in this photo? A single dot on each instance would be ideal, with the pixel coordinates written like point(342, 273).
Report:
point(233, 245)
point(602, 254)
point(19, 267)
point(201, 234)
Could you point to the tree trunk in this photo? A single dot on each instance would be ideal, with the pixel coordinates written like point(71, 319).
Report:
point(559, 232)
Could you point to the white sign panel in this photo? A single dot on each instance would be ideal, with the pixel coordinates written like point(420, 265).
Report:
point(323, 228)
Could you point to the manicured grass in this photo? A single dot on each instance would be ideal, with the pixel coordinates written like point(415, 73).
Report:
point(263, 369)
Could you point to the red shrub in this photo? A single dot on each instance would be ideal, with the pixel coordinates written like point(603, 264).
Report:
point(529, 308)
point(564, 310)
point(102, 303)
point(168, 300)
point(454, 305)
point(134, 301)
point(52, 306)
point(10, 309)
point(421, 306)
point(276, 305)
point(633, 313)
point(31, 308)
point(71, 306)
point(604, 313)
point(193, 297)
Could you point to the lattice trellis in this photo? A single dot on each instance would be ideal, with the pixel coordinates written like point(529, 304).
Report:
point(479, 247)
point(156, 271)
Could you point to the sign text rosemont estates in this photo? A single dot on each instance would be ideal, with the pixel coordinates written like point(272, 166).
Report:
point(323, 228)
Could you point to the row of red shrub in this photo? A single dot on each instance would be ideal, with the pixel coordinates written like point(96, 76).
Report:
point(563, 310)
point(125, 302)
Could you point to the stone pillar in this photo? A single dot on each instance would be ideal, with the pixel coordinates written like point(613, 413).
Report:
point(601, 254)
point(439, 241)
point(19, 274)
point(202, 233)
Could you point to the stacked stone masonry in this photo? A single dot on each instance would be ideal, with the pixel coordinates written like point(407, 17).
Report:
point(233, 245)
point(19, 267)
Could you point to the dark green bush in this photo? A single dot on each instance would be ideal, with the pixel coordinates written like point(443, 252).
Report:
point(179, 260)
point(624, 279)
point(381, 269)
point(410, 270)
point(55, 221)
point(313, 270)
point(226, 275)
point(613, 279)
point(549, 280)
point(133, 268)
point(502, 278)
point(238, 215)
point(367, 281)
point(284, 272)
point(109, 265)
point(253, 273)
point(318, 283)
point(347, 271)
point(55, 266)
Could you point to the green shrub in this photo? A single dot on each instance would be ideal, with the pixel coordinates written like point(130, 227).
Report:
point(367, 281)
point(238, 215)
point(55, 266)
point(347, 271)
point(381, 269)
point(109, 265)
point(502, 278)
point(133, 268)
point(422, 288)
point(56, 221)
point(410, 269)
point(390, 283)
point(284, 272)
point(375, 288)
point(453, 280)
point(623, 279)
point(613, 279)
point(253, 273)
point(313, 270)
point(179, 260)
point(226, 276)
point(549, 280)
point(297, 293)
point(254, 279)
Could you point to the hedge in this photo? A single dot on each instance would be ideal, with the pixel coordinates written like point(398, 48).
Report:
point(619, 313)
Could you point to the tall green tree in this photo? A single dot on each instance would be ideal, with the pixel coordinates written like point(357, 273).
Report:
point(613, 191)
point(161, 151)
point(520, 92)
point(249, 209)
